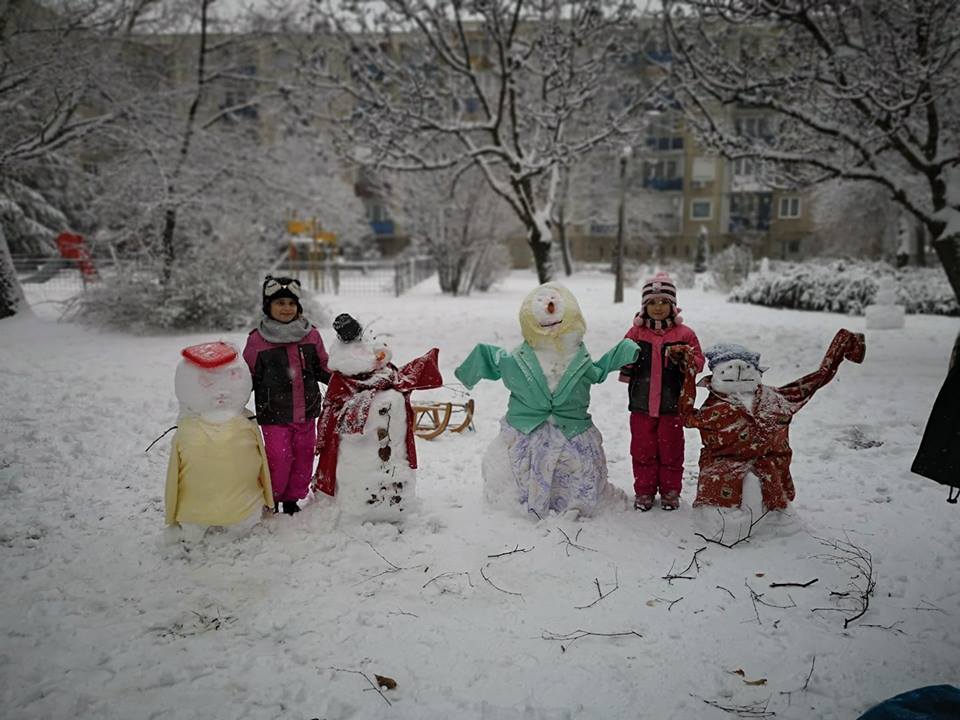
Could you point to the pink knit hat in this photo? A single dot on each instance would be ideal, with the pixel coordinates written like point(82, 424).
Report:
point(660, 287)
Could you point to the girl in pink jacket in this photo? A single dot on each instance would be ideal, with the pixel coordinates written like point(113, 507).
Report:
point(655, 380)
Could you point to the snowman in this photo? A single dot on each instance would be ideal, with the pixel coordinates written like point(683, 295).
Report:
point(365, 434)
point(745, 425)
point(548, 455)
point(218, 474)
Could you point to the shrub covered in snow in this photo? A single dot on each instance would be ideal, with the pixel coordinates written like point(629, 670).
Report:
point(731, 266)
point(215, 286)
point(846, 286)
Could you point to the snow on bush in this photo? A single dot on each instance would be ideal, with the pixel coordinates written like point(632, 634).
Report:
point(215, 286)
point(846, 286)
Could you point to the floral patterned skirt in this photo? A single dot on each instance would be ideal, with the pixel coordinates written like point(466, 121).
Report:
point(546, 470)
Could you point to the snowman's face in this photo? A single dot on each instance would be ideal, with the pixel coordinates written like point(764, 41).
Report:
point(735, 377)
point(360, 357)
point(222, 391)
point(549, 312)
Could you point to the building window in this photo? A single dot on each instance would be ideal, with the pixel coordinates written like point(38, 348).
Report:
point(749, 211)
point(789, 207)
point(753, 127)
point(662, 175)
point(745, 167)
point(701, 209)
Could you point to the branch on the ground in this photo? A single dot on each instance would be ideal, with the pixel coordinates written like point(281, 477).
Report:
point(891, 627)
point(721, 587)
point(751, 710)
point(864, 581)
point(571, 637)
point(572, 543)
point(517, 549)
point(807, 584)
point(682, 575)
point(670, 603)
point(394, 568)
point(600, 593)
point(492, 584)
point(806, 683)
point(448, 574)
point(718, 539)
point(757, 599)
point(364, 676)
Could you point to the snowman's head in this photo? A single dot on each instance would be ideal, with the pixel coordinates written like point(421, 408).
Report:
point(736, 370)
point(550, 316)
point(357, 351)
point(212, 381)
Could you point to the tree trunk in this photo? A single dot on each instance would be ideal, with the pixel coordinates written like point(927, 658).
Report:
point(948, 250)
point(541, 253)
point(12, 301)
point(564, 243)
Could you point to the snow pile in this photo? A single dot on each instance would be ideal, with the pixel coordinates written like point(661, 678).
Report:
point(846, 286)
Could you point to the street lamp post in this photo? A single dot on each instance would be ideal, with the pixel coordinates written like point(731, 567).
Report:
point(618, 284)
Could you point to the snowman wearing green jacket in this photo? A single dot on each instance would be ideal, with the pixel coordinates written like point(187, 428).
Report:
point(548, 455)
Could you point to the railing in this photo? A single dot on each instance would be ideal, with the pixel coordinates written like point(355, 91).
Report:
point(53, 279)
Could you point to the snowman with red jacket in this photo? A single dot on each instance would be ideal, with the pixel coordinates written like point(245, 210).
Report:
point(365, 434)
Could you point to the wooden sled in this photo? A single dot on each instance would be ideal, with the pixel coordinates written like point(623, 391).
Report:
point(431, 419)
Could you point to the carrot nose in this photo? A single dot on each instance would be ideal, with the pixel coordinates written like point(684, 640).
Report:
point(551, 308)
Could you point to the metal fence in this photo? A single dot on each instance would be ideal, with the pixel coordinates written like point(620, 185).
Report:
point(54, 279)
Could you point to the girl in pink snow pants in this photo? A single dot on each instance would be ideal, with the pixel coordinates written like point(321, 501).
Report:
point(655, 380)
point(288, 362)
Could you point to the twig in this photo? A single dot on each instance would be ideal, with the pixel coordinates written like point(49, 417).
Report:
point(517, 549)
point(864, 582)
point(393, 567)
point(571, 544)
point(602, 595)
point(577, 634)
point(670, 603)
point(484, 576)
point(718, 539)
point(158, 438)
point(403, 612)
point(682, 575)
point(806, 683)
point(752, 710)
point(448, 574)
point(807, 584)
point(892, 627)
point(364, 675)
point(721, 587)
point(932, 608)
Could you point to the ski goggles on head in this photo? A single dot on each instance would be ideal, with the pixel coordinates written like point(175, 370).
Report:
point(273, 286)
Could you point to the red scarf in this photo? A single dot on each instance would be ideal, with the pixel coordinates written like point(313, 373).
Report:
point(347, 405)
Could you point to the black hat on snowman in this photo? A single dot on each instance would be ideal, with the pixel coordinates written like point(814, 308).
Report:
point(280, 287)
point(347, 328)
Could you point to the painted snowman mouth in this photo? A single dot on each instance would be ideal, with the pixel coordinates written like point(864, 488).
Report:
point(553, 324)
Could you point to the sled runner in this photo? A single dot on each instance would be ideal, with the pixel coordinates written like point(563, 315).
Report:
point(432, 418)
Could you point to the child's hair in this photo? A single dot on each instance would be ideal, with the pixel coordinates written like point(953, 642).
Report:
point(280, 287)
point(660, 287)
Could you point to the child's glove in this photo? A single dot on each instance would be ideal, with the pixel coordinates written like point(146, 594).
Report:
point(680, 354)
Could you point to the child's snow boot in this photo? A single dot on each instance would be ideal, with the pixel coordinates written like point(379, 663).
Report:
point(670, 500)
point(643, 502)
point(290, 507)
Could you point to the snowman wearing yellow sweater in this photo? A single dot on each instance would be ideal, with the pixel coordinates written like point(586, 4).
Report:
point(218, 474)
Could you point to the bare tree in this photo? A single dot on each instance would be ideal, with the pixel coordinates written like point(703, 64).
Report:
point(864, 91)
point(503, 86)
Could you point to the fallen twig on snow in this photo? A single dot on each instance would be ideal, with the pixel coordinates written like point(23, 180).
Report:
point(517, 549)
point(393, 567)
point(721, 587)
point(891, 627)
point(572, 543)
point(751, 710)
point(448, 574)
point(682, 575)
point(807, 584)
point(508, 592)
point(602, 595)
point(364, 676)
point(577, 634)
point(718, 539)
point(803, 688)
point(864, 582)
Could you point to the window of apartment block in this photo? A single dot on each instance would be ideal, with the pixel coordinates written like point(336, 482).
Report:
point(789, 207)
point(745, 167)
point(752, 126)
point(701, 209)
point(704, 170)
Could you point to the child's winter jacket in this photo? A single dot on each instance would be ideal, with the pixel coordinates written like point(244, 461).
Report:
point(285, 377)
point(654, 381)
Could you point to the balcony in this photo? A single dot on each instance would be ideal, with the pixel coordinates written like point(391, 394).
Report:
point(382, 227)
point(663, 183)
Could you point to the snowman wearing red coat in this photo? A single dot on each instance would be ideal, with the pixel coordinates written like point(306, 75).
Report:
point(365, 434)
point(745, 425)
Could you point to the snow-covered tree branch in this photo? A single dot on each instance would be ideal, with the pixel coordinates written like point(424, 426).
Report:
point(863, 92)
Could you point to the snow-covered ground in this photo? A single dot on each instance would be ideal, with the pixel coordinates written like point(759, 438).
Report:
point(100, 619)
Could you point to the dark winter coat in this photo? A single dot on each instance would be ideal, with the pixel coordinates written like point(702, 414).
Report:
point(654, 380)
point(286, 377)
point(938, 457)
